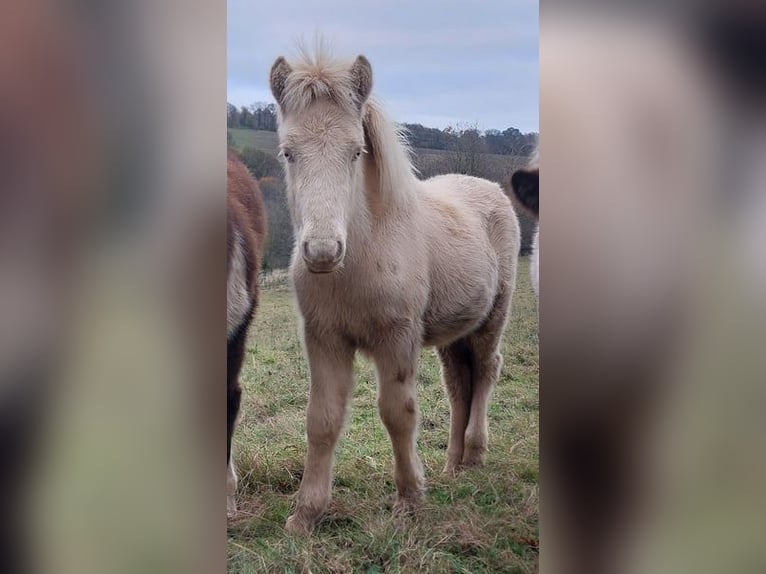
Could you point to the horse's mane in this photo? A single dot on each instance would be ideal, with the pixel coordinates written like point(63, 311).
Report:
point(316, 74)
point(391, 153)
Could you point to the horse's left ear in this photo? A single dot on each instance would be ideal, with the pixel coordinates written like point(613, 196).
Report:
point(361, 78)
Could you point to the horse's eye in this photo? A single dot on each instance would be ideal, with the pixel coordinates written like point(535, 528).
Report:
point(357, 154)
point(287, 155)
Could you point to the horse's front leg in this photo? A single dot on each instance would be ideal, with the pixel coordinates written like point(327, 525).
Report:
point(398, 406)
point(331, 365)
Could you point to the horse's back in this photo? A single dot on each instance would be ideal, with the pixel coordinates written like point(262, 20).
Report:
point(473, 199)
point(245, 200)
point(473, 236)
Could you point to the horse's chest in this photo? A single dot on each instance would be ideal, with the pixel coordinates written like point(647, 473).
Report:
point(366, 316)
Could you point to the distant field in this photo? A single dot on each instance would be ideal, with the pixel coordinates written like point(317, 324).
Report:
point(483, 520)
point(262, 140)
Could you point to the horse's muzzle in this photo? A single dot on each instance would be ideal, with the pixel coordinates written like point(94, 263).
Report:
point(323, 255)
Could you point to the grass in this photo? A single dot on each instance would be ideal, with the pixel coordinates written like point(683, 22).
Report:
point(258, 139)
point(483, 520)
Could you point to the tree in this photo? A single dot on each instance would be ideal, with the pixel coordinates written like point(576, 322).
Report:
point(467, 152)
point(260, 163)
point(279, 244)
point(245, 118)
point(232, 116)
point(264, 116)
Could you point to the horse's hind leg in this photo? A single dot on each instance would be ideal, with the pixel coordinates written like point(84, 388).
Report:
point(487, 361)
point(235, 351)
point(457, 362)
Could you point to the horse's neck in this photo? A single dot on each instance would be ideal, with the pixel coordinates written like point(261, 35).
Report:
point(360, 225)
point(383, 198)
point(374, 222)
point(381, 202)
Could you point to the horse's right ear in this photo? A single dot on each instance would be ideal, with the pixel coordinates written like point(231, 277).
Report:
point(526, 186)
point(278, 78)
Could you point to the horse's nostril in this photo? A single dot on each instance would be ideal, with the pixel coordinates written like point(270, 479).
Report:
point(306, 249)
point(338, 250)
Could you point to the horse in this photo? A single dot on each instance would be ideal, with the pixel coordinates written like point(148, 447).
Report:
point(245, 234)
point(525, 183)
point(385, 264)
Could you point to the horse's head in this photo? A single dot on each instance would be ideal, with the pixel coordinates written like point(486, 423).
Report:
point(321, 138)
point(525, 184)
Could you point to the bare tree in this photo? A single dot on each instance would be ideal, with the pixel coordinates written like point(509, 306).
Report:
point(467, 153)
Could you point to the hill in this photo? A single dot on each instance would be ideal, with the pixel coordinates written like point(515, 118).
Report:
point(258, 139)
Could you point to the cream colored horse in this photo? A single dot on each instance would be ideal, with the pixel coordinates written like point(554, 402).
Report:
point(386, 264)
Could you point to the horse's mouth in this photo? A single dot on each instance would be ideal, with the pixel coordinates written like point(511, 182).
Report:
point(319, 269)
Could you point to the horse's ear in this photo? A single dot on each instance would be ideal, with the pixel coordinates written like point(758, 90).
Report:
point(526, 186)
point(361, 78)
point(278, 78)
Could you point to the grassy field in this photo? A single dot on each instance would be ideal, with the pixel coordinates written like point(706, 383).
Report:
point(483, 520)
point(259, 139)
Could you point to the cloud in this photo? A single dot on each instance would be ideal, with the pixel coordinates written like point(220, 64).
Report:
point(438, 62)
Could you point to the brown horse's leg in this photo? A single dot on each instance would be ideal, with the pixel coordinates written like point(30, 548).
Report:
point(332, 380)
point(487, 361)
point(398, 407)
point(235, 353)
point(457, 362)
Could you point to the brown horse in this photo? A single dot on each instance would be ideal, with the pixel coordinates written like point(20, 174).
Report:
point(245, 233)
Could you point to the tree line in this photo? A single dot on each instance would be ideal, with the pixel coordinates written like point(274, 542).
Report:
point(258, 116)
point(511, 141)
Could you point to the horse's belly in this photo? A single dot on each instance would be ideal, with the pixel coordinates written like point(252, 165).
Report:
point(444, 333)
point(453, 320)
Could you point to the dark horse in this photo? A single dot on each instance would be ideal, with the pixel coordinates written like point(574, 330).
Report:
point(245, 234)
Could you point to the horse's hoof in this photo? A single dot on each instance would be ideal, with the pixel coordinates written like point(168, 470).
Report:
point(298, 527)
point(452, 468)
point(473, 461)
point(474, 458)
point(231, 507)
point(408, 505)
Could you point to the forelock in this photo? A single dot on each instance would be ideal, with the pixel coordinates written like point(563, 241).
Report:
point(316, 76)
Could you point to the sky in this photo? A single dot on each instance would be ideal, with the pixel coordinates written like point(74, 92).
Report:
point(435, 62)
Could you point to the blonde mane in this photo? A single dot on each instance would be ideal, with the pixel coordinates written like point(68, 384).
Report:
point(317, 75)
point(391, 154)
